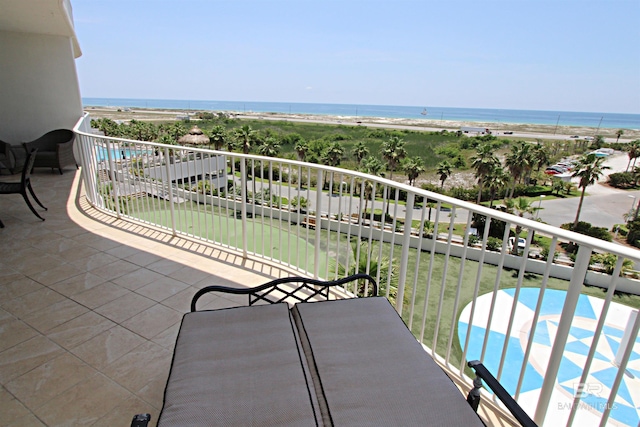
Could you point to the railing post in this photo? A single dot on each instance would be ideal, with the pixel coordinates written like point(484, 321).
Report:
point(167, 165)
point(568, 311)
point(316, 254)
point(406, 244)
point(243, 204)
point(114, 181)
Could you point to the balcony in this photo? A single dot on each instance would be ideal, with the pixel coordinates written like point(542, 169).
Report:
point(92, 297)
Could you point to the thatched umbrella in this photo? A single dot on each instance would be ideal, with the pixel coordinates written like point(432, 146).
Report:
point(194, 137)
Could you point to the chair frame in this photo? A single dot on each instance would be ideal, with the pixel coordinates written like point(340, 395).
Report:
point(24, 185)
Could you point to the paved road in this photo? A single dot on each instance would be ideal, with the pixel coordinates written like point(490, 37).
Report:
point(603, 206)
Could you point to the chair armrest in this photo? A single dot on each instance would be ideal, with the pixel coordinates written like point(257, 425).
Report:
point(306, 290)
point(502, 394)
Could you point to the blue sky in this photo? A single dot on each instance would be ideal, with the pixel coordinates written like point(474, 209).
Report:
point(565, 55)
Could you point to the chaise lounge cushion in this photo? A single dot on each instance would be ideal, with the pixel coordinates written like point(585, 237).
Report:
point(371, 369)
point(238, 367)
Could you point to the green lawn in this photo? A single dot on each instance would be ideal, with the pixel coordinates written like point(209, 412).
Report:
point(215, 224)
point(296, 245)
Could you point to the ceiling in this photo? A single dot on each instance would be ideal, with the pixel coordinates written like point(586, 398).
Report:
point(52, 17)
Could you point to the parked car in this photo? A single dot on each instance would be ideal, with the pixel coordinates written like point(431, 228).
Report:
point(555, 170)
point(521, 243)
point(508, 133)
point(566, 165)
point(575, 136)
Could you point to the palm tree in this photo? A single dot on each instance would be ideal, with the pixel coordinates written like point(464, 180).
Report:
point(483, 162)
point(301, 148)
point(633, 151)
point(540, 155)
point(372, 166)
point(360, 151)
point(589, 169)
point(444, 171)
point(619, 133)
point(218, 137)
point(393, 152)
point(363, 261)
point(413, 167)
point(519, 206)
point(332, 157)
point(497, 179)
point(269, 147)
point(246, 137)
point(519, 162)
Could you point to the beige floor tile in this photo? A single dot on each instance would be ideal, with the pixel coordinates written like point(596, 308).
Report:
point(45, 382)
point(100, 295)
point(96, 241)
point(19, 286)
point(153, 321)
point(137, 279)
point(92, 262)
point(115, 269)
point(167, 338)
point(29, 420)
point(77, 284)
point(181, 302)
point(153, 391)
point(79, 330)
point(165, 266)
point(140, 367)
point(84, 403)
point(14, 331)
point(26, 356)
point(54, 315)
point(143, 258)
point(122, 414)
point(31, 302)
point(11, 410)
point(125, 307)
point(34, 266)
point(107, 347)
point(190, 275)
point(57, 274)
point(162, 289)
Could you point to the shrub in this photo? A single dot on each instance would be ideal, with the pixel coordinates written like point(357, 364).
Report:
point(633, 237)
point(621, 180)
point(587, 229)
point(494, 244)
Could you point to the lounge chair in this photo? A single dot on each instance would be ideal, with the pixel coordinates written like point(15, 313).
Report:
point(334, 362)
point(55, 149)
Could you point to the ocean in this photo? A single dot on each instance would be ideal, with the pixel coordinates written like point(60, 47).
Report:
point(431, 113)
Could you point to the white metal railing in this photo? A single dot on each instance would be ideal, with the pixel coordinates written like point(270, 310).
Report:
point(423, 256)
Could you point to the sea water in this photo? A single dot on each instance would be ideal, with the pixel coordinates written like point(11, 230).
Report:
point(427, 113)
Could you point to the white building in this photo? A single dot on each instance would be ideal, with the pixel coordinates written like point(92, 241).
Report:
point(39, 88)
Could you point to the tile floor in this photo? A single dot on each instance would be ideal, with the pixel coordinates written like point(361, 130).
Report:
point(90, 307)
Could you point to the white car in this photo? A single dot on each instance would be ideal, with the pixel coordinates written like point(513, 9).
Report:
point(521, 243)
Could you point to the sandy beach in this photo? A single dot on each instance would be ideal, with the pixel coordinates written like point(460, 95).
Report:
point(518, 130)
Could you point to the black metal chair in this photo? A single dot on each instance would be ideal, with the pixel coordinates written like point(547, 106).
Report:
point(7, 158)
point(24, 184)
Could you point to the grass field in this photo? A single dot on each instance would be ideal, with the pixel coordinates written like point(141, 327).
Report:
point(295, 244)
